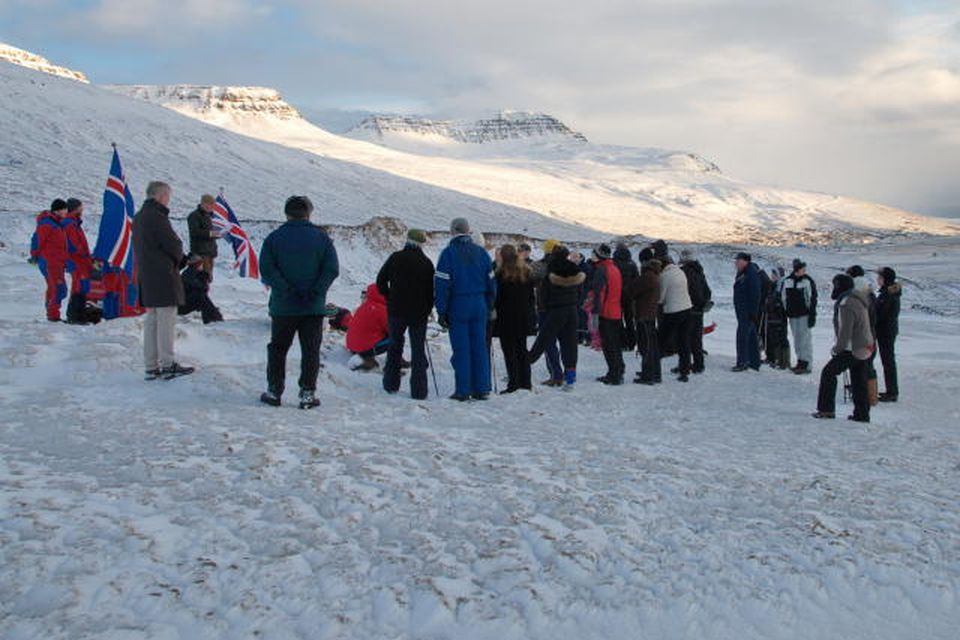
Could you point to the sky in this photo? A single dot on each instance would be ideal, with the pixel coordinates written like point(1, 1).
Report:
point(854, 97)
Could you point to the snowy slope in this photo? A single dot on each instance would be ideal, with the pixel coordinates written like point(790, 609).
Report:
point(56, 142)
point(9, 53)
point(716, 509)
point(622, 191)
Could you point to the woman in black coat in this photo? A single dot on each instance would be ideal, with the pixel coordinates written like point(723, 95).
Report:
point(516, 307)
point(888, 326)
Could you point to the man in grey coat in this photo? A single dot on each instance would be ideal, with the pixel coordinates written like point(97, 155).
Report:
point(159, 254)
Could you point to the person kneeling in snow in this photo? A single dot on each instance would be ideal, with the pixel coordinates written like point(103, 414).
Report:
point(368, 332)
point(196, 288)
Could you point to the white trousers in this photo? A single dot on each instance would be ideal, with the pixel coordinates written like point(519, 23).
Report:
point(802, 338)
point(159, 328)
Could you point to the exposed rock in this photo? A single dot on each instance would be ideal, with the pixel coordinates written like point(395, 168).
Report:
point(506, 125)
point(238, 100)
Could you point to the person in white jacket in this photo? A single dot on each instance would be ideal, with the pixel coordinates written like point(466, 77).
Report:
point(674, 326)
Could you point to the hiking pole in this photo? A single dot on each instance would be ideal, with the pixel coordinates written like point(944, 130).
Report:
point(433, 372)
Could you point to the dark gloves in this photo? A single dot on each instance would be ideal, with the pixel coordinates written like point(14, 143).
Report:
point(444, 321)
point(812, 320)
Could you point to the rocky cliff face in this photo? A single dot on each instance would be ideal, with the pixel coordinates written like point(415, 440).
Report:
point(504, 126)
point(37, 63)
point(200, 98)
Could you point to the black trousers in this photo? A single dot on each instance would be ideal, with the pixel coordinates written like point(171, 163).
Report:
point(514, 347)
point(282, 330)
point(629, 341)
point(695, 331)
point(827, 396)
point(397, 327)
point(611, 334)
point(648, 344)
point(559, 323)
point(678, 325)
point(888, 358)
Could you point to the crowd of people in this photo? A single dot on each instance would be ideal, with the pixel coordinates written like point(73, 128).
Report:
point(563, 300)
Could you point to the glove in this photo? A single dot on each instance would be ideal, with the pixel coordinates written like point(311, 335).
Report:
point(812, 320)
point(33, 260)
point(444, 321)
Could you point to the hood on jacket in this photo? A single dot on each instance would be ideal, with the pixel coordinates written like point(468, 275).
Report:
point(563, 267)
point(574, 280)
point(653, 265)
point(374, 295)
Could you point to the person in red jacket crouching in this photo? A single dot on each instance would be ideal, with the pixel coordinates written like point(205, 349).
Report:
point(48, 249)
point(368, 334)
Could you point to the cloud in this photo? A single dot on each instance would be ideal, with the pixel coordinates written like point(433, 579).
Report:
point(848, 96)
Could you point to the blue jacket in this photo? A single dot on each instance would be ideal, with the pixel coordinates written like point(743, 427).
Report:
point(299, 263)
point(746, 292)
point(464, 270)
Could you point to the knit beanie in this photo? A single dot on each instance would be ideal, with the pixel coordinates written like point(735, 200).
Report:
point(417, 236)
point(549, 246)
point(459, 226)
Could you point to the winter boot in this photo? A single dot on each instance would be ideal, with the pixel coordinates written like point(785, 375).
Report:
point(802, 368)
point(175, 370)
point(308, 399)
point(270, 398)
point(824, 415)
point(151, 374)
point(569, 379)
point(459, 398)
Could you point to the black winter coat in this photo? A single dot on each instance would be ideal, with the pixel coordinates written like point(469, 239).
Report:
point(564, 284)
point(516, 308)
point(629, 273)
point(200, 224)
point(887, 309)
point(158, 252)
point(406, 281)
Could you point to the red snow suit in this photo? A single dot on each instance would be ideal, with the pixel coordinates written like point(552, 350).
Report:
point(369, 323)
point(607, 285)
point(80, 263)
point(49, 248)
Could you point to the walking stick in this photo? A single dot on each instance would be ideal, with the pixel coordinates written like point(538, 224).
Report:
point(433, 372)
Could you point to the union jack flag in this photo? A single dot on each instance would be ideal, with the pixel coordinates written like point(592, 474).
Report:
point(246, 258)
point(114, 239)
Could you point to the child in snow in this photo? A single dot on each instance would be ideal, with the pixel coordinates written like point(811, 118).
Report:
point(368, 332)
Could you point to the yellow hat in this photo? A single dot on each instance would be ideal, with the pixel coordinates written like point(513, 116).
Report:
point(550, 245)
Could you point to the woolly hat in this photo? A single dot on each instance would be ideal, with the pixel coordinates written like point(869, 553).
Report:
point(602, 251)
point(746, 257)
point(646, 254)
point(416, 236)
point(888, 274)
point(459, 226)
point(549, 246)
point(798, 264)
point(660, 249)
point(58, 205)
point(73, 204)
point(207, 199)
point(298, 207)
point(686, 255)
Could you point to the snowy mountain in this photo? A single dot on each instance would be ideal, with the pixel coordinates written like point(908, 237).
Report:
point(57, 136)
point(502, 127)
point(36, 62)
point(204, 99)
point(536, 163)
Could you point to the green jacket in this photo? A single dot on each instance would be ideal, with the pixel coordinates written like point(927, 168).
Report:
point(200, 224)
point(299, 263)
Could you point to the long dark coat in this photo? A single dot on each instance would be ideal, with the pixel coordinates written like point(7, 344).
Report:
point(158, 252)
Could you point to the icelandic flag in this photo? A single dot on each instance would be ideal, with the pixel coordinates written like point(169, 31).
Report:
point(115, 238)
point(246, 258)
point(113, 254)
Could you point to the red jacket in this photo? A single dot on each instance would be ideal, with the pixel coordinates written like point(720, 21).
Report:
point(77, 247)
point(50, 240)
point(607, 287)
point(369, 323)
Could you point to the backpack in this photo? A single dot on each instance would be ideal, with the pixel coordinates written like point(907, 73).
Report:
point(700, 293)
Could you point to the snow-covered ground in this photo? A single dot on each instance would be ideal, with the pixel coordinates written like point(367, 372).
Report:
point(716, 509)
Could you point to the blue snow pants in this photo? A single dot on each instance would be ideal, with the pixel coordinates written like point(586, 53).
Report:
point(468, 337)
